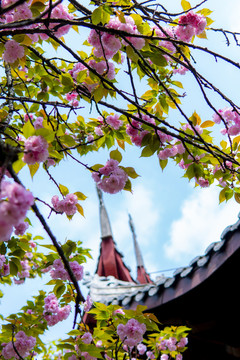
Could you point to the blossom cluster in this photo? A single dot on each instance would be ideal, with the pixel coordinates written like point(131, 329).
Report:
point(37, 123)
point(14, 204)
point(67, 205)
point(135, 131)
point(52, 312)
point(172, 344)
point(171, 151)
point(4, 267)
point(24, 273)
point(13, 51)
point(114, 121)
point(87, 304)
point(103, 68)
point(110, 178)
point(36, 150)
point(58, 270)
point(190, 24)
point(23, 12)
point(72, 98)
point(231, 118)
point(107, 45)
point(132, 333)
point(22, 343)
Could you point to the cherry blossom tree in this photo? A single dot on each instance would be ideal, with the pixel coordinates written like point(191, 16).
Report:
point(70, 85)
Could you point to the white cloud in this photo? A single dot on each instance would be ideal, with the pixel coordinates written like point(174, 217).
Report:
point(140, 205)
point(201, 223)
point(142, 208)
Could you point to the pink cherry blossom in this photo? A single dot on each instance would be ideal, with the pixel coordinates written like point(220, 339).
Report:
point(13, 51)
point(167, 32)
point(181, 70)
point(234, 130)
point(141, 348)
point(87, 338)
point(22, 13)
point(168, 152)
point(182, 343)
point(23, 344)
point(38, 123)
point(98, 131)
point(87, 304)
point(202, 182)
point(150, 355)
point(36, 150)
point(21, 228)
point(190, 24)
point(104, 68)
point(179, 357)
point(164, 357)
point(132, 333)
point(60, 12)
point(14, 204)
point(4, 267)
point(58, 270)
point(67, 205)
point(119, 311)
point(114, 178)
point(52, 312)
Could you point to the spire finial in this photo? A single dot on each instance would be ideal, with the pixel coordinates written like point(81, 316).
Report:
point(104, 219)
point(100, 196)
point(136, 246)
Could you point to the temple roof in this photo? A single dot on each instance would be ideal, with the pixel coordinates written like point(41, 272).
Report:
point(110, 261)
point(184, 279)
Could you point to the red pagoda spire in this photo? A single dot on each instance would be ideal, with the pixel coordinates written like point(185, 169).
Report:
point(110, 260)
point(142, 276)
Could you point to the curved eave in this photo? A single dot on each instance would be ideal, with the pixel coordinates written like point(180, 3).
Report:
point(186, 279)
point(181, 284)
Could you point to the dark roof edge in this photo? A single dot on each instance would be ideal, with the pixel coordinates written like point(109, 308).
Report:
point(196, 273)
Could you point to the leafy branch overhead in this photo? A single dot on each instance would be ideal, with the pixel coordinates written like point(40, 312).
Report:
point(77, 78)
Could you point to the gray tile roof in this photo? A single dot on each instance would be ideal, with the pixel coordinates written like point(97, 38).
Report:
point(183, 279)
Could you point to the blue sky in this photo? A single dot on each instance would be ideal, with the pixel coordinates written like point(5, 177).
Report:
point(173, 221)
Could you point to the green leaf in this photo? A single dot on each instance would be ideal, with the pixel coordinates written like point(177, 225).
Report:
point(178, 84)
point(195, 118)
point(237, 197)
point(59, 289)
point(163, 163)
point(13, 268)
point(185, 5)
point(18, 165)
point(99, 15)
point(80, 209)
point(164, 104)
point(116, 155)
point(81, 76)
point(158, 59)
point(48, 134)
point(28, 130)
point(98, 94)
point(128, 186)
point(222, 196)
point(33, 169)
point(80, 195)
point(131, 172)
point(132, 54)
point(147, 151)
point(66, 79)
point(63, 189)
